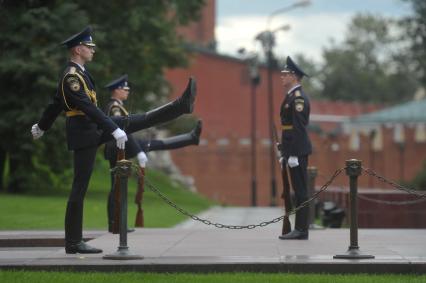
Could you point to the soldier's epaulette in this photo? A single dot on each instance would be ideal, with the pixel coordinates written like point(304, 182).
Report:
point(72, 70)
point(298, 93)
point(115, 103)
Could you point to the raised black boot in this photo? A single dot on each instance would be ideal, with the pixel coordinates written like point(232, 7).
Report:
point(191, 138)
point(300, 231)
point(162, 114)
point(196, 132)
point(73, 231)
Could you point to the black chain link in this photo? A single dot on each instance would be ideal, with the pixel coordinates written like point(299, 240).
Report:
point(392, 183)
point(252, 226)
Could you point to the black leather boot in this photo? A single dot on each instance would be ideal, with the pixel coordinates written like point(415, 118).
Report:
point(196, 132)
point(187, 99)
point(74, 230)
point(191, 138)
point(300, 231)
point(81, 248)
point(162, 114)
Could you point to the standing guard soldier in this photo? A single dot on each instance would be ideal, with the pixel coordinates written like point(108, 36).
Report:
point(120, 90)
point(87, 127)
point(295, 144)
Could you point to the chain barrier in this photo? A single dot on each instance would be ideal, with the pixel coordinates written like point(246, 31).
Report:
point(389, 202)
point(252, 226)
point(392, 183)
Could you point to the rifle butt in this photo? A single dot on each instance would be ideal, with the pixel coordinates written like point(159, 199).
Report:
point(286, 225)
point(139, 217)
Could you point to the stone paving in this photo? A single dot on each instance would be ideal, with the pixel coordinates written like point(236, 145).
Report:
point(194, 247)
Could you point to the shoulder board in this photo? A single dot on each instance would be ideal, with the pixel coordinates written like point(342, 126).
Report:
point(115, 103)
point(72, 70)
point(298, 93)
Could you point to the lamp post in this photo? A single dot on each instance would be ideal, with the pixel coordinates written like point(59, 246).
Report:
point(253, 70)
point(267, 39)
point(252, 63)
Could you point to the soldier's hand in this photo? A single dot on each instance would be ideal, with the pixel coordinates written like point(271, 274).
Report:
point(142, 159)
point(293, 161)
point(121, 138)
point(36, 131)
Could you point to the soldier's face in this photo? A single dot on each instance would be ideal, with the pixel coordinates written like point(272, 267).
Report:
point(287, 79)
point(87, 52)
point(123, 94)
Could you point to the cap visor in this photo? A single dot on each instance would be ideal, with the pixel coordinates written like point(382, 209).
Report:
point(89, 44)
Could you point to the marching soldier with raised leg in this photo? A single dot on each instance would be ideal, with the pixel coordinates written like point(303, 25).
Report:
point(87, 127)
point(295, 144)
point(135, 147)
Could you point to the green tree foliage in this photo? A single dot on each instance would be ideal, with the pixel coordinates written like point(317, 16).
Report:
point(134, 37)
point(370, 65)
point(415, 27)
point(311, 84)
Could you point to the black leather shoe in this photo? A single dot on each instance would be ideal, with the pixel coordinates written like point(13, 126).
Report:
point(81, 248)
point(196, 132)
point(295, 235)
point(188, 96)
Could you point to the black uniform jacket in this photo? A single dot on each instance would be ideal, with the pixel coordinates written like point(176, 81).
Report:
point(294, 115)
point(76, 96)
point(116, 108)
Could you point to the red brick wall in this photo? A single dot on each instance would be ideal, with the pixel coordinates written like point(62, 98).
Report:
point(222, 172)
point(381, 214)
point(202, 31)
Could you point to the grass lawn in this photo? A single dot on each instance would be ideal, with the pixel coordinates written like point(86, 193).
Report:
point(32, 211)
point(59, 277)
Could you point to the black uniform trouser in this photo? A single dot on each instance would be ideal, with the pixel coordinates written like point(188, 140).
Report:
point(84, 160)
point(148, 145)
point(83, 167)
point(299, 180)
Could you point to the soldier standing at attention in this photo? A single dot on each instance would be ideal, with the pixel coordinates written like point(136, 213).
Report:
point(87, 127)
point(120, 91)
point(295, 144)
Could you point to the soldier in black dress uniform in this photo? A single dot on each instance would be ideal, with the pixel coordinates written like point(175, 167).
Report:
point(87, 127)
point(295, 144)
point(136, 147)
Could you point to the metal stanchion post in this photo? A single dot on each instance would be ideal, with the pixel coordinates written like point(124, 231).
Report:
point(353, 170)
point(312, 174)
point(124, 168)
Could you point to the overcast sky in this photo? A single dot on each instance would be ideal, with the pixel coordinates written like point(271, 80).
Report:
point(311, 27)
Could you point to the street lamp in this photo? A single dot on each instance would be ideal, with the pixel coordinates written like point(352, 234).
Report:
point(267, 39)
point(299, 4)
point(253, 73)
point(253, 69)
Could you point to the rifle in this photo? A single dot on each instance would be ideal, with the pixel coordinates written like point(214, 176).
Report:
point(117, 190)
point(117, 196)
point(287, 185)
point(139, 198)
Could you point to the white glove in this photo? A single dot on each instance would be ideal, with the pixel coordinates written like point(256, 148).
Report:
point(36, 131)
point(293, 161)
point(121, 138)
point(142, 159)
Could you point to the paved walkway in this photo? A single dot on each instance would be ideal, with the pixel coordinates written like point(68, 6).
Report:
point(190, 247)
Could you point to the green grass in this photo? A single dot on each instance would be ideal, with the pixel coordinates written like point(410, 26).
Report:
point(35, 211)
point(59, 277)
